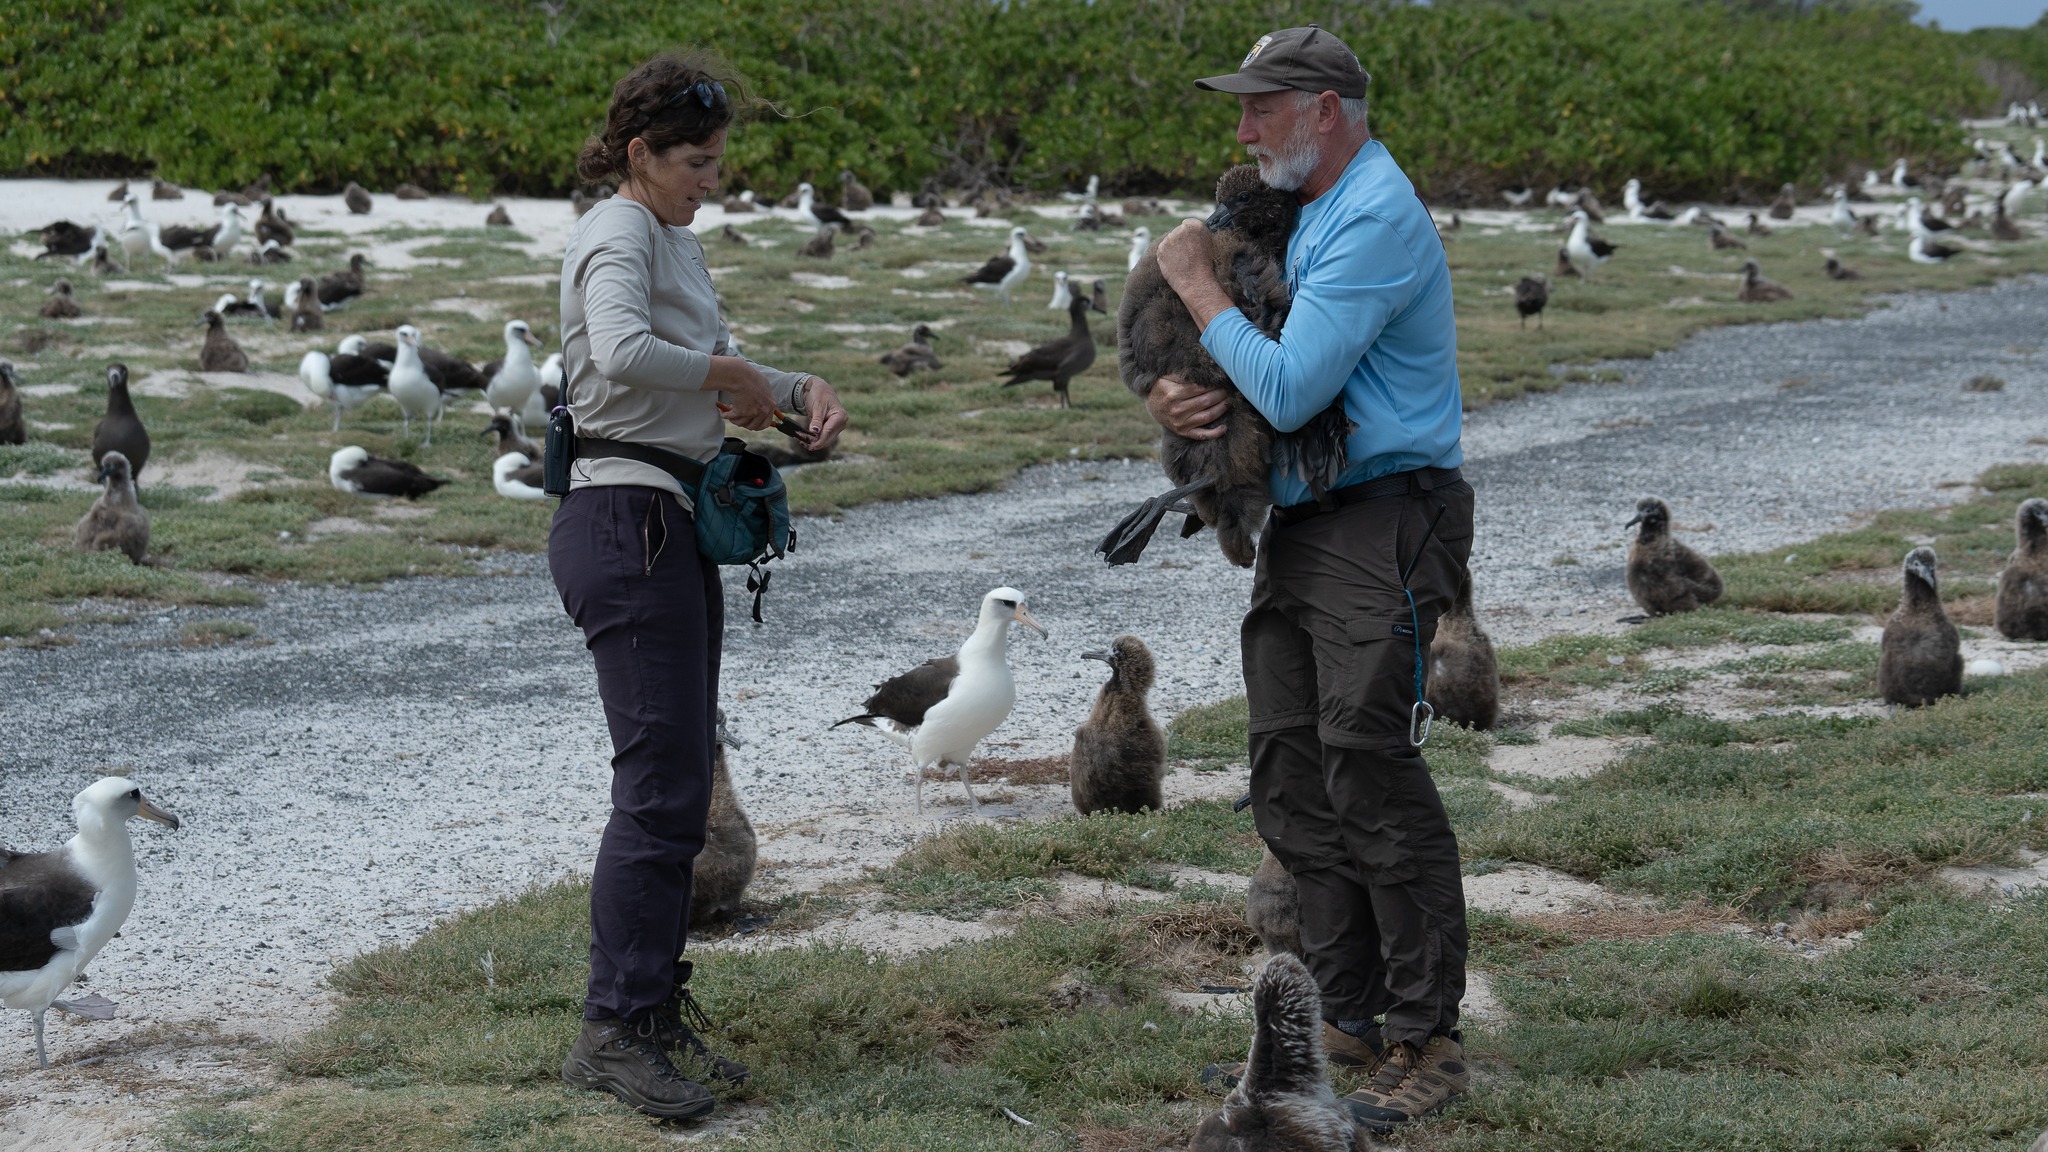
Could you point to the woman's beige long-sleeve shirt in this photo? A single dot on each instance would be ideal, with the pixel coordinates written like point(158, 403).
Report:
point(640, 324)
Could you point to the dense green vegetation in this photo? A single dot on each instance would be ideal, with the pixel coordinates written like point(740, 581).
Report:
point(1724, 100)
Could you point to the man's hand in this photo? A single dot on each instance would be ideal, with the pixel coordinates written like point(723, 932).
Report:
point(1188, 411)
point(1186, 259)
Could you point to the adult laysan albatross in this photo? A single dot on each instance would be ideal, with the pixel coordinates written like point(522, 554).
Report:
point(942, 708)
point(57, 909)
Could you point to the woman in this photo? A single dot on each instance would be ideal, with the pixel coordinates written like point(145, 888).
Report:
point(649, 365)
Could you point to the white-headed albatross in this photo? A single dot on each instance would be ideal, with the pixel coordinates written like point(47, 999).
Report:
point(57, 909)
point(1004, 272)
point(942, 708)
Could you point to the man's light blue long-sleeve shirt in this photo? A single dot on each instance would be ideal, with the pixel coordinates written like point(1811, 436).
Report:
point(1371, 320)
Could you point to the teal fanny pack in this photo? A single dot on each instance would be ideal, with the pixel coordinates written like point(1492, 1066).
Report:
point(742, 508)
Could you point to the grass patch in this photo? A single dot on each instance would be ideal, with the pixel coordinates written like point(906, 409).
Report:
point(1211, 735)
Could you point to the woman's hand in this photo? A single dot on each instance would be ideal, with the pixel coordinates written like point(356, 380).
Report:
point(1187, 410)
point(823, 415)
point(748, 402)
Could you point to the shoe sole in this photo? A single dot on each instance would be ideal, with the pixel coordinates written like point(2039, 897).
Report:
point(1384, 1127)
point(580, 1075)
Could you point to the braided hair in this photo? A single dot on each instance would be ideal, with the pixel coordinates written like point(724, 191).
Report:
point(675, 98)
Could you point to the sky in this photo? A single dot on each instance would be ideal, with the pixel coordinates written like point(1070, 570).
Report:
point(1963, 15)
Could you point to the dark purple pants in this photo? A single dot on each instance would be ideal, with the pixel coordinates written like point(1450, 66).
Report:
point(625, 561)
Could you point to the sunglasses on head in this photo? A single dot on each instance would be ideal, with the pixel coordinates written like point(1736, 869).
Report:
point(709, 93)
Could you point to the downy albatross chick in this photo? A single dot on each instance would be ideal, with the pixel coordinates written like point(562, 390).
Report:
point(1837, 270)
point(509, 439)
point(1663, 575)
point(307, 315)
point(1119, 755)
point(1532, 295)
point(58, 909)
point(517, 477)
point(116, 521)
point(1464, 676)
point(61, 305)
point(1272, 906)
point(1059, 360)
point(13, 429)
point(942, 708)
point(1920, 658)
point(2022, 608)
point(819, 247)
point(338, 288)
point(1756, 289)
point(1283, 1101)
point(722, 871)
point(220, 353)
point(354, 470)
point(1226, 478)
point(916, 356)
point(120, 430)
point(356, 198)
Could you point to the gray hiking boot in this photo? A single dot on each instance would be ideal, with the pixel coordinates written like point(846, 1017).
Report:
point(628, 1062)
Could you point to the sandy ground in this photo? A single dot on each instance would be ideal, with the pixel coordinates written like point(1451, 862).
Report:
point(392, 756)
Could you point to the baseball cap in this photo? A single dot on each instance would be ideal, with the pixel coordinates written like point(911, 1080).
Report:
point(1308, 59)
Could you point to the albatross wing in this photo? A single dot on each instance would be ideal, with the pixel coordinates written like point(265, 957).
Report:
point(904, 700)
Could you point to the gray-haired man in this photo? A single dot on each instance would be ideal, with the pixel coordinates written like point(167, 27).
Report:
point(1348, 589)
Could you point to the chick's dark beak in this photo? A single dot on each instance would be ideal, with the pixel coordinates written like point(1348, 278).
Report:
point(1220, 219)
point(1105, 657)
point(1637, 519)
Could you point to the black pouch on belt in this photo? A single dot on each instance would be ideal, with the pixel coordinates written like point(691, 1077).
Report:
point(558, 453)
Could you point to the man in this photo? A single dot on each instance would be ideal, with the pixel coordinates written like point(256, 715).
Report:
point(1333, 643)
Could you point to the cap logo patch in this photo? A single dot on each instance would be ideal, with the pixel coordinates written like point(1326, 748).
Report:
point(1256, 49)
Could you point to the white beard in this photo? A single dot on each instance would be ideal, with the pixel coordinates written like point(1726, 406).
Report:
point(1288, 167)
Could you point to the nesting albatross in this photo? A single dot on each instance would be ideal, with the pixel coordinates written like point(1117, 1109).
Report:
point(942, 708)
point(57, 909)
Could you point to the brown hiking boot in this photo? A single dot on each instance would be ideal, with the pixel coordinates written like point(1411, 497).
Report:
point(1344, 1049)
point(1412, 1083)
point(628, 1062)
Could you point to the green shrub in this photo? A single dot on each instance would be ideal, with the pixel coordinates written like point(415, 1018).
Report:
point(473, 97)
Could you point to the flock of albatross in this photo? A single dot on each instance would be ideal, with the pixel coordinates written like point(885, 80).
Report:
point(58, 908)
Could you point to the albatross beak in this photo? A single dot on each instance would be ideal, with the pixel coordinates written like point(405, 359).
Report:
point(149, 811)
point(1102, 656)
point(535, 340)
point(1024, 617)
point(1637, 519)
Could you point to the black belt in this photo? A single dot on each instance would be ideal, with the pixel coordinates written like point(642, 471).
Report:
point(1416, 481)
point(687, 471)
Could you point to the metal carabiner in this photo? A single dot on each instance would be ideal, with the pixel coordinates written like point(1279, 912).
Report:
point(1426, 714)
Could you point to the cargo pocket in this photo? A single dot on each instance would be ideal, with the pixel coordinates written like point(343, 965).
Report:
point(1371, 679)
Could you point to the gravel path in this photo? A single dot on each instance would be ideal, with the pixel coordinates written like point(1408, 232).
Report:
point(390, 756)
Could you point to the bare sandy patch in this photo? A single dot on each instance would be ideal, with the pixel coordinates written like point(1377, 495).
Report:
point(1530, 891)
point(224, 474)
point(1999, 879)
point(1557, 757)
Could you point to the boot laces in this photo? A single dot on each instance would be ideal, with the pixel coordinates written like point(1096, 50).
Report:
point(1401, 1060)
point(645, 1041)
point(676, 1019)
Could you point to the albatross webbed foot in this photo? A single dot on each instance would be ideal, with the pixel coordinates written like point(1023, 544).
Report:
point(1127, 541)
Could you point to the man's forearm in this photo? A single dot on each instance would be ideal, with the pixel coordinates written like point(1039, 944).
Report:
point(1206, 300)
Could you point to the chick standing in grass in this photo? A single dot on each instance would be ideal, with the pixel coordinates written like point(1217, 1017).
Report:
point(1119, 755)
point(2022, 608)
point(116, 521)
point(1663, 575)
point(722, 871)
point(1272, 906)
point(220, 353)
point(1283, 1101)
point(1464, 676)
point(1920, 658)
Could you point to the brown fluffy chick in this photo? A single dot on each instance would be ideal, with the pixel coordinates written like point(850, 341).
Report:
point(916, 356)
point(1464, 676)
point(1920, 658)
point(819, 246)
point(726, 865)
point(1663, 575)
point(1756, 289)
point(1119, 755)
point(61, 305)
point(220, 353)
point(1156, 337)
point(2022, 608)
point(509, 439)
point(116, 521)
point(1272, 906)
point(13, 429)
point(357, 199)
point(1283, 1102)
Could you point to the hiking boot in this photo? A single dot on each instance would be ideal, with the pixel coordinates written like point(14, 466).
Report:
point(685, 1048)
point(628, 1062)
point(1344, 1049)
point(1412, 1083)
